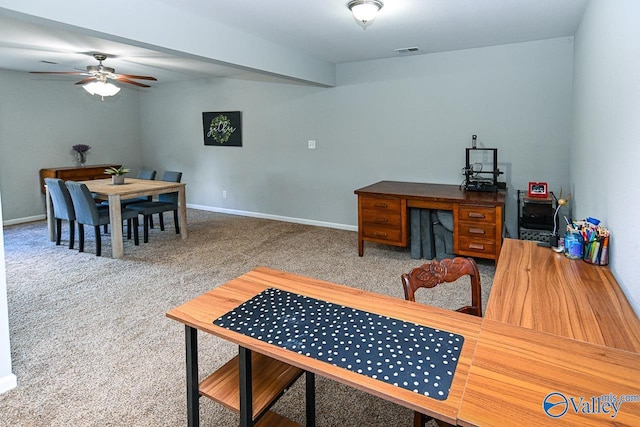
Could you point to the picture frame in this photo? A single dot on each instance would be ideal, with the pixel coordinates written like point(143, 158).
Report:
point(538, 190)
point(222, 128)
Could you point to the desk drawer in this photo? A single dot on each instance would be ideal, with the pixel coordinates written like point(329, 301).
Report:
point(473, 247)
point(477, 230)
point(477, 214)
point(383, 220)
point(388, 219)
point(380, 204)
point(382, 233)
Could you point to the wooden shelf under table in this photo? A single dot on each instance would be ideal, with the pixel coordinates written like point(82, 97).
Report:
point(271, 379)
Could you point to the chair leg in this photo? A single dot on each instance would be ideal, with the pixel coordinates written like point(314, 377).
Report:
point(175, 221)
point(151, 221)
point(98, 241)
point(106, 228)
point(145, 227)
point(136, 238)
point(58, 231)
point(129, 229)
point(161, 218)
point(72, 233)
point(81, 235)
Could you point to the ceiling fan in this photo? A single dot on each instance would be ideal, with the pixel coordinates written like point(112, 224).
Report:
point(97, 83)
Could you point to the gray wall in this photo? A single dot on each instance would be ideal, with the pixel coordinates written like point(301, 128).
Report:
point(401, 119)
point(606, 149)
point(41, 118)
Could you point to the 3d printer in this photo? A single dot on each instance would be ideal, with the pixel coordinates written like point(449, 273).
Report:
point(481, 170)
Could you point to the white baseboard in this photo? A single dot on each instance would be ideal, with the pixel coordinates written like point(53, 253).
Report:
point(275, 217)
point(225, 211)
point(8, 382)
point(25, 219)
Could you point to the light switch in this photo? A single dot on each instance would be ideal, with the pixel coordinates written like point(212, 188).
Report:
point(312, 144)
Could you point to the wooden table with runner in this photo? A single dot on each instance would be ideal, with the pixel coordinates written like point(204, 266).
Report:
point(201, 312)
point(558, 345)
point(133, 187)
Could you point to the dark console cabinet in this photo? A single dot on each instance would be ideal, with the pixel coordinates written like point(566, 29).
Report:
point(535, 216)
point(75, 173)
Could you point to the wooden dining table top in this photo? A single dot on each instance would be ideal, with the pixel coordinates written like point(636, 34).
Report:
point(132, 187)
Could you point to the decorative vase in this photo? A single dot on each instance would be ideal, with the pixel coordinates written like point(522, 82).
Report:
point(81, 158)
point(117, 179)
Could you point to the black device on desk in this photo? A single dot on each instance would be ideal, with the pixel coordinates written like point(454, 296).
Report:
point(481, 169)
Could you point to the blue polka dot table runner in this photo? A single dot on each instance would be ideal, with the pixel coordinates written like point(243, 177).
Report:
point(404, 354)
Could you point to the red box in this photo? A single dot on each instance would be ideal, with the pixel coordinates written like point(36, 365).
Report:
point(538, 189)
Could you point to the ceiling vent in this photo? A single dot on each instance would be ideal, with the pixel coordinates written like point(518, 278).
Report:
point(405, 50)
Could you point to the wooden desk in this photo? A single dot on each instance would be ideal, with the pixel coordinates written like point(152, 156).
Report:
point(74, 173)
point(514, 369)
point(200, 313)
point(133, 187)
point(504, 374)
point(477, 216)
point(539, 289)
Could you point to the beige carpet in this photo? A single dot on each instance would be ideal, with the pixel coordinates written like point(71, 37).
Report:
point(91, 345)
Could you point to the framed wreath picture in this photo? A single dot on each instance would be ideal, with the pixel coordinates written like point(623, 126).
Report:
point(222, 128)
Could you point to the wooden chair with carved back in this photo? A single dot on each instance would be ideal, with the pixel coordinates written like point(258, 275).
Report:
point(434, 273)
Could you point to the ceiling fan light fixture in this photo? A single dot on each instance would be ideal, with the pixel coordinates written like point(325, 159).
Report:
point(101, 88)
point(365, 11)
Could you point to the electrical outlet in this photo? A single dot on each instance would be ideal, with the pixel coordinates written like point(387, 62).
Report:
point(224, 194)
point(312, 144)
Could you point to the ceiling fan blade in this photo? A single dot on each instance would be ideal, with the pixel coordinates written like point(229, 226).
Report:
point(131, 76)
point(87, 80)
point(126, 80)
point(72, 73)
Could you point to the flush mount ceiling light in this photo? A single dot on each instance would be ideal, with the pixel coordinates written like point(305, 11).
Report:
point(365, 11)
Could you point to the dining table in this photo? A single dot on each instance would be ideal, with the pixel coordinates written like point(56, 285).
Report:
point(105, 189)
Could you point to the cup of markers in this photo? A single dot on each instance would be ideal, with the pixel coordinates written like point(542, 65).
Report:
point(589, 240)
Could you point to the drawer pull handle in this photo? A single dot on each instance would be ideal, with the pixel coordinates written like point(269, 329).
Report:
point(476, 231)
point(476, 215)
point(476, 246)
point(378, 233)
point(381, 205)
point(382, 220)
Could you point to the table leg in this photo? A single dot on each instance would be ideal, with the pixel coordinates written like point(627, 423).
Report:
point(246, 390)
point(310, 382)
point(182, 205)
point(193, 393)
point(115, 217)
point(50, 219)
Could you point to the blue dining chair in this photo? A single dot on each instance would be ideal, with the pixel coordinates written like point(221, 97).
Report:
point(88, 213)
point(165, 203)
point(62, 208)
